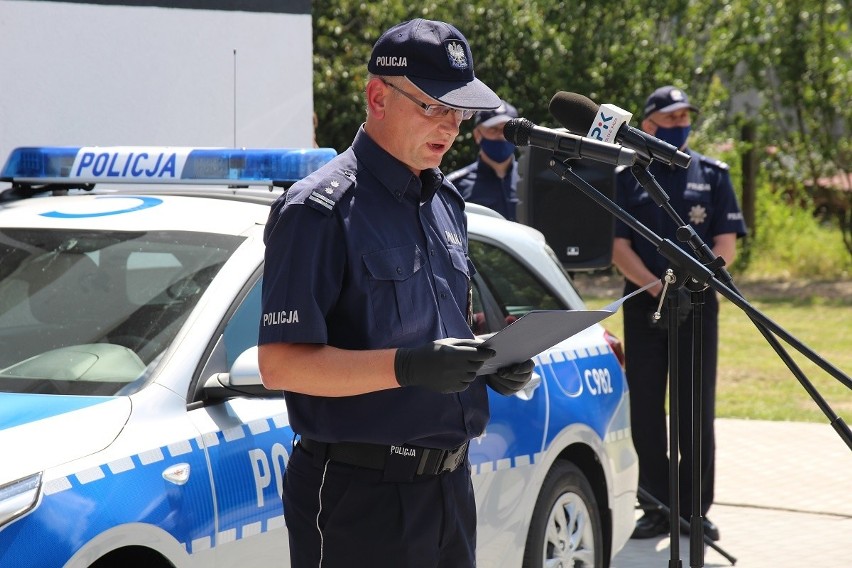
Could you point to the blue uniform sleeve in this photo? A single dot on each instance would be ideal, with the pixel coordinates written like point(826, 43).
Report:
point(303, 271)
point(464, 187)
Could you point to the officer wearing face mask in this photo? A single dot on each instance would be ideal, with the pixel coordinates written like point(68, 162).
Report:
point(493, 178)
point(704, 197)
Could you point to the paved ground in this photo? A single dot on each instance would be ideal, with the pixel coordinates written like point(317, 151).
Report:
point(783, 500)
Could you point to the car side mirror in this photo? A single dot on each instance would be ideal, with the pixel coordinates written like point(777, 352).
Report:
point(243, 379)
point(245, 371)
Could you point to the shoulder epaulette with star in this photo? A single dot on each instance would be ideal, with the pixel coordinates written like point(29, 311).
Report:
point(460, 173)
point(328, 191)
point(714, 162)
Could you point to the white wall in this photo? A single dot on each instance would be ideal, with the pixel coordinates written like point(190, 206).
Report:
point(76, 74)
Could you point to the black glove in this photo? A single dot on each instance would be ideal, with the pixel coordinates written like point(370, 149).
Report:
point(445, 366)
point(512, 378)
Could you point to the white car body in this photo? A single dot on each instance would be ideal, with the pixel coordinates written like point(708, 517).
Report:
point(180, 471)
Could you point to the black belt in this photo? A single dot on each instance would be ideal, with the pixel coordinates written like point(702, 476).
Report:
point(398, 462)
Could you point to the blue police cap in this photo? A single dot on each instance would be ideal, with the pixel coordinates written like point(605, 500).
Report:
point(667, 99)
point(500, 115)
point(436, 57)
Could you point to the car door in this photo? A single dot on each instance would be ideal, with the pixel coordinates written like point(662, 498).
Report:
point(248, 441)
point(503, 458)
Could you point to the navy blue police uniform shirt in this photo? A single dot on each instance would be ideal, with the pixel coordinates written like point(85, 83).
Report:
point(702, 195)
point(479, 183)
point(362, 254)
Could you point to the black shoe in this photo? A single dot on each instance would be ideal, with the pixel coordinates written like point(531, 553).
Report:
point(711, 531)
point(651, 524)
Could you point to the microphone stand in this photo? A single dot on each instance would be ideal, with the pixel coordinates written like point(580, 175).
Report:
point(697, 298)
point(699, 276)
point(672, 303)
point(686, 234)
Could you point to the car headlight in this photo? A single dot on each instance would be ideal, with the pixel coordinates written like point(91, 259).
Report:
point(18, 497)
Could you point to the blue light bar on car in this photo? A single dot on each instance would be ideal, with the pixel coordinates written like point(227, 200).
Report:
point(156, 164)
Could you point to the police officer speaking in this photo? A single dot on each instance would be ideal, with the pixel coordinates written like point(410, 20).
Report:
point(377, 361)
point(704, 197)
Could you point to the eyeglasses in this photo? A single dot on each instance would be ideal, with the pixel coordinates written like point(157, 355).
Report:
point(433, 110)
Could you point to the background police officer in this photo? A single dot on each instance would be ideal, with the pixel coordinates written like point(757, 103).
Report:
point(379, 368)
point(703, 196)
point(491, 180)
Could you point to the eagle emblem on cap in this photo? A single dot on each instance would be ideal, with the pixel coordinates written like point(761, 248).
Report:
point(455, 51)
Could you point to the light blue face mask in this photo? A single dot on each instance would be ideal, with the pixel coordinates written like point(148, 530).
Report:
point(497, 150)
point(676, 136)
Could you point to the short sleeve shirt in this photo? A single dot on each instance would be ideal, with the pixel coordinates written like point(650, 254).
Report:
point(363, 254)
point(479, 183)
point(702, 195)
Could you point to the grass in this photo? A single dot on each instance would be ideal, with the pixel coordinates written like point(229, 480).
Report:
point(753, 381)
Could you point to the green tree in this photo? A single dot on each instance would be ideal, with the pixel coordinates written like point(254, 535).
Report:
point(526, 50)
point(783, 65)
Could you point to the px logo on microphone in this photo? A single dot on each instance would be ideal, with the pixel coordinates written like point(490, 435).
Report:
point(607, 123)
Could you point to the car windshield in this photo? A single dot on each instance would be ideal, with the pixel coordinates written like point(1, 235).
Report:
point(89, 312)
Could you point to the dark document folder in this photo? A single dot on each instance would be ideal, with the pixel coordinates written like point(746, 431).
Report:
point(538, 330)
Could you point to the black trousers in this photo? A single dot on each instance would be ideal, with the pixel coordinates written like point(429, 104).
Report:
point(339, 515)
point(646, 353)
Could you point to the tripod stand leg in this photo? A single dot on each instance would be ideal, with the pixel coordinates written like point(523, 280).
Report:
point(643, 494)
point(696, 553)
point(674, 426)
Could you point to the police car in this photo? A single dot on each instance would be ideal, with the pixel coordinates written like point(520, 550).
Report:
point(134, 425)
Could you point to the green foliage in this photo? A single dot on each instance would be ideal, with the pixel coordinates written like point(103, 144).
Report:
point(792, 244)
point(795, 57)
point(526, 50)
point(784, 65)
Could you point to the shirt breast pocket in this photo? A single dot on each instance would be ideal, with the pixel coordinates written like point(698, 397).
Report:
point(460, 277)
point(399, 290)
point(640, 205)
point(698, 208)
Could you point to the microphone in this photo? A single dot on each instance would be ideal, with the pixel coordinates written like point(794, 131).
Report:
point(522, 132)
point(576, 112)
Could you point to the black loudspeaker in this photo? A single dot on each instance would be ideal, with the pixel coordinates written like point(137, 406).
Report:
point(578, 230)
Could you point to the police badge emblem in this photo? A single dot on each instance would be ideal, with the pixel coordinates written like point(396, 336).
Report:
point(456, 54)
point(697, 214)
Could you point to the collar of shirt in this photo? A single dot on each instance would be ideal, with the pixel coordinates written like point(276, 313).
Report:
point(484, 168)
point(431, 181)
point(393, 174)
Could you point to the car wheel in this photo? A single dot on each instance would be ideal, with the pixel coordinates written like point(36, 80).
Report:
point(565, 531)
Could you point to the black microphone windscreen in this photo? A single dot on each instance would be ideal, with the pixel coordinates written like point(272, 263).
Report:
point(574, 112)
point(517, 131)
